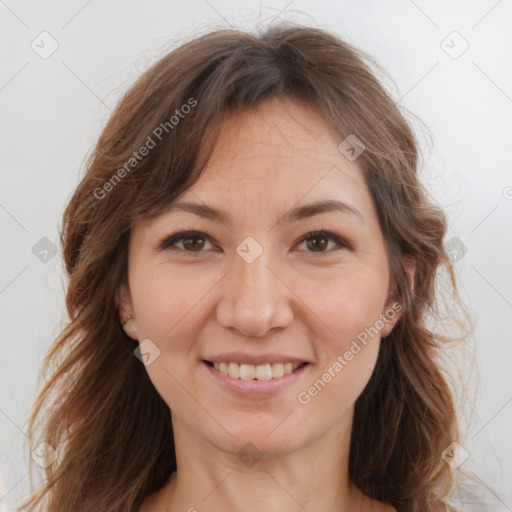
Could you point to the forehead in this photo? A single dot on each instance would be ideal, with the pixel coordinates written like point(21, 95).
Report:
point(282, 151)
point(275, 157)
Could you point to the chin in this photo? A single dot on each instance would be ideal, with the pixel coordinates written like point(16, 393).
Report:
point(262, 438)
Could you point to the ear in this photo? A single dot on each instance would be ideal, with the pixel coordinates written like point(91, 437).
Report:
point(123, 301)
point(410, 269)
point(393, 309)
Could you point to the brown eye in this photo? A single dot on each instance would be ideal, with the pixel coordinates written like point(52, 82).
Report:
point(317, 243)
point(194, 243)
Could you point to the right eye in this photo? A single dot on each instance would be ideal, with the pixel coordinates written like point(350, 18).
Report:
point(193, 241)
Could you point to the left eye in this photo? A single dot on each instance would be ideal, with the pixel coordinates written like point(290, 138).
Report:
point(195, 241)
point(318, 241)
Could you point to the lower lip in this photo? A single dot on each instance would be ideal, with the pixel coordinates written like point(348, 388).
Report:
point(254, 388)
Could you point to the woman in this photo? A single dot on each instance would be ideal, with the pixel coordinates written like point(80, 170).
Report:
point(252, 263)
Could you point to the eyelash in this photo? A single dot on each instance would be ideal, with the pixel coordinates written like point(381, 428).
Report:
point(168, 241)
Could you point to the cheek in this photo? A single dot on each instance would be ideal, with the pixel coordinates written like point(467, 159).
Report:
point(347, 357)
point(165, 301)
point(349, 307)
point(171, 309)
point(167, 306)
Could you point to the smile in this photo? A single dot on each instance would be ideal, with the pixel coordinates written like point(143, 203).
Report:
point(256, 381)
point(265, 371)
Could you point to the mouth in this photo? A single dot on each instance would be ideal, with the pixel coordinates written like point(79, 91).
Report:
point(266, 371)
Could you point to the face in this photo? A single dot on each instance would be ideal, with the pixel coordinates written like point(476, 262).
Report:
point(261, 283)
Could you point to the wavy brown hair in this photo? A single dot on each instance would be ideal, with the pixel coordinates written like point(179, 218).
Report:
point(97, 405)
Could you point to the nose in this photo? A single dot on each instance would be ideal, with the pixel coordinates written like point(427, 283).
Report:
point(254, 300)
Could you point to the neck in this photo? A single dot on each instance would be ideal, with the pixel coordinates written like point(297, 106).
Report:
point(313, 477)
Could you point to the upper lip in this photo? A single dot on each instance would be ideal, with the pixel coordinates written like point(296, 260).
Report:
point(254, 359)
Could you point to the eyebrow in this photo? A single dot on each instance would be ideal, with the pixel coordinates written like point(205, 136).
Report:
point(294, 214)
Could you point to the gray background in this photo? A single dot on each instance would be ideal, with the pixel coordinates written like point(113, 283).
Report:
point(53, 109)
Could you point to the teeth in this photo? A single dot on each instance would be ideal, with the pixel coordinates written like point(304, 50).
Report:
point(247, 371)
point(233, 370)
point(277, 370)
point(264, 371)
point(260, 372)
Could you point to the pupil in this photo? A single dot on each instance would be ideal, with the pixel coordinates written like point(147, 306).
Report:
point(187, 244)
point(321, 245)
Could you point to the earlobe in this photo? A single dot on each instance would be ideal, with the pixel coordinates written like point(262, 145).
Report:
point(126, 312)
point(394, 309)
point(410, 269)
point(389, 317)
point(130, 327)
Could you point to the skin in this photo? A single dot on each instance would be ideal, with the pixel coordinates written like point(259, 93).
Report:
point(292, 299)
